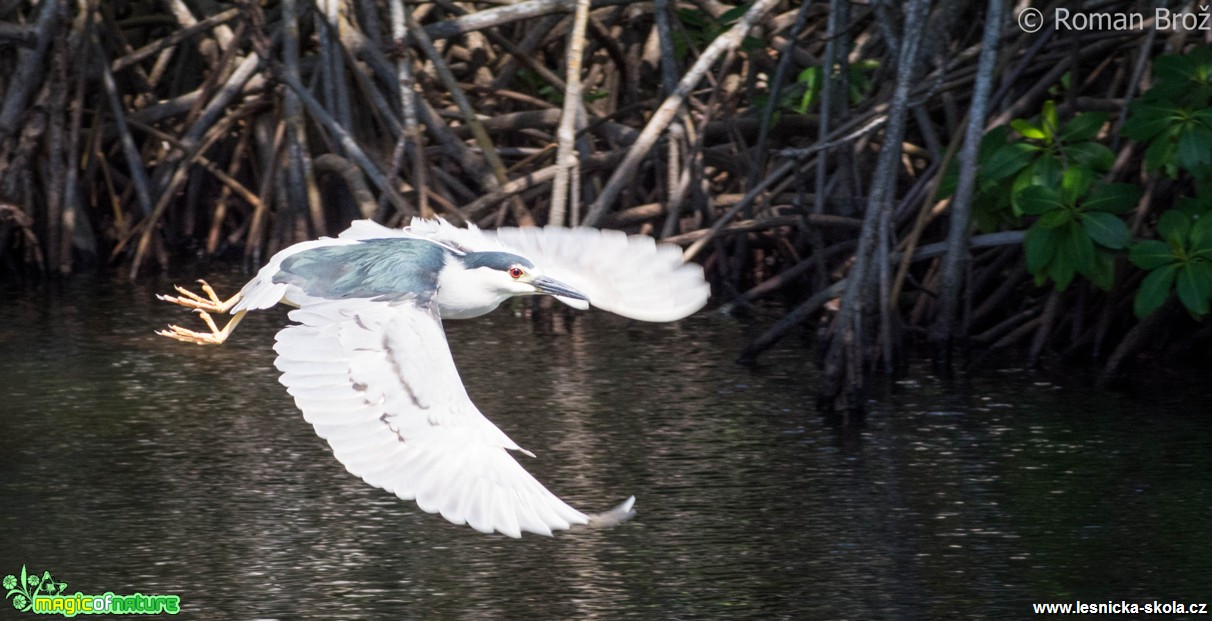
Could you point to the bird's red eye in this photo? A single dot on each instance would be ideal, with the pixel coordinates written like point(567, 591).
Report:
point(515, 272)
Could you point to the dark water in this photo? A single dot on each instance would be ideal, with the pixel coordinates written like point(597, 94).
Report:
point(129, 462)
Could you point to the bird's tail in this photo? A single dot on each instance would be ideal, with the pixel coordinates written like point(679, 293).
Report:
point(615, 516)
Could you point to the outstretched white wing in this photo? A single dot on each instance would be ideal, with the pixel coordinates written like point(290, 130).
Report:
point(630, 275)
point(378, 383)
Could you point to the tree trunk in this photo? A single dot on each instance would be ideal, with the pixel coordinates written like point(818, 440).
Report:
point(941, 334)
point(843, 362)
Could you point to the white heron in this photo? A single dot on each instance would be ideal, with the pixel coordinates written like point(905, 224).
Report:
point(367, 361)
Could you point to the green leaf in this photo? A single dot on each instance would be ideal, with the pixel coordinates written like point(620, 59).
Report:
point(1040, 246)
point(1092, 155)
point(1160, 152)
point(993, 140)
point(1200, 234)
point(811, 79)
point(681, 44)
point(1047, 170)
point(1027, 130)
point(1154, 290)
point(1199, 204)
point(1061, 271)
point(753, 44)
point(947, 185)
point(1037, 199)
point(1173, 67)
point(1193, 148)
point(992, 209)
point(1106, 229)
point(1173, 226)
point(1077, 249)
point(1203, 115)
point(1194, 286)
point(987, 214)
point(1148, 119)
point(731, 15)
point(1048, 121)
point(1114, 198)
point(1083, 126)
point(1007, 160)
point(986, 186)
point(692, 17)
point(866, 65)
point(1151, 254)
point(1055, 218)
point(1103, 274)
point(1074, 183)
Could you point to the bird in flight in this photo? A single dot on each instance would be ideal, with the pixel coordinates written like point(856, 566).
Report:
point(367, 362)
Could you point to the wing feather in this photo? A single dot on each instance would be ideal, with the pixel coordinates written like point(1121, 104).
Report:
point(377, 381)
point(629, 275)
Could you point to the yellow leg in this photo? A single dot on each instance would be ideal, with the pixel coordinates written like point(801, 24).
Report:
point(216, 336)
point(210, 303)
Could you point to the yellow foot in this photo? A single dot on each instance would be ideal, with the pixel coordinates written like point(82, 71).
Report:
point(210, 303)
point(216, 336)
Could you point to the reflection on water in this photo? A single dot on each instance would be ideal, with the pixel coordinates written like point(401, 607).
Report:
point(132, 463)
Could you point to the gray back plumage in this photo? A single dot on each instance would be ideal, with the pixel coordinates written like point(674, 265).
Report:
point(380, 269)
point(494, 260)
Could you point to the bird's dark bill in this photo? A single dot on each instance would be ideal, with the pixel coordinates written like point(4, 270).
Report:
point(557, 288)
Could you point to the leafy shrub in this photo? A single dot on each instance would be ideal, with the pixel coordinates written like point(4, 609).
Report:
point(1051, 175)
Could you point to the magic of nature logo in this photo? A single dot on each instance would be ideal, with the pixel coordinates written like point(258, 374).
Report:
point(44, 595)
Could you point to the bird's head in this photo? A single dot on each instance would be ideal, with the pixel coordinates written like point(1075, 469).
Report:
point(477, 282)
